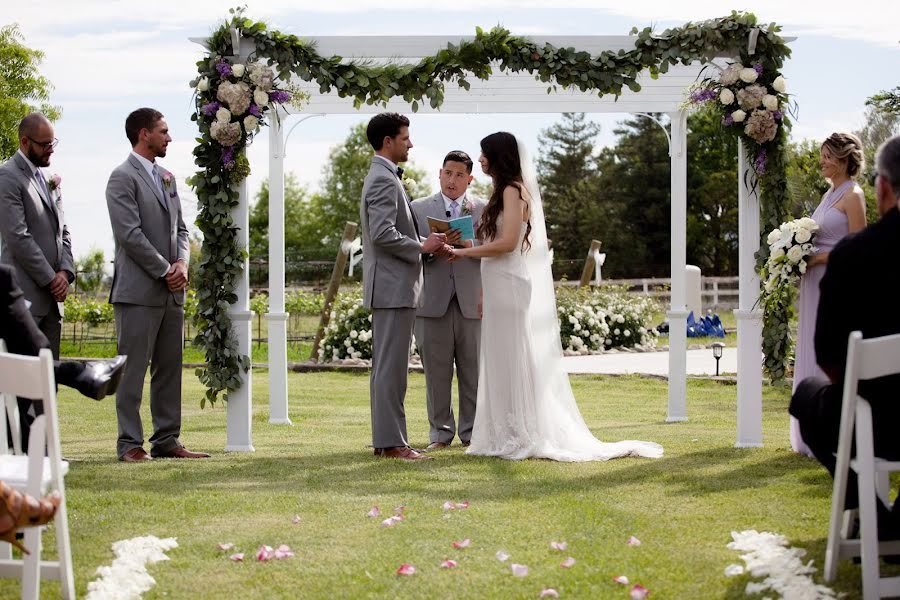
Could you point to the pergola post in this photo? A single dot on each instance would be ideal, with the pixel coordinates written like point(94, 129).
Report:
point(749, 316)
point(239, 406)
point(677, 313)
point(277, 317)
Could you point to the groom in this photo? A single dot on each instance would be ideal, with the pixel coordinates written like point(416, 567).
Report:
point(392, 278)
point(448, 321)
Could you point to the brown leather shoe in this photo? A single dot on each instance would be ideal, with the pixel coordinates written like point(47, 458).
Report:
point(403, 453)
point(437, 446)
point(465, 443)
point(136, 454)
point(182, 452)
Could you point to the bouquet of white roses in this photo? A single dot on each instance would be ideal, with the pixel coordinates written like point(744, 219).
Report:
point(789, 247)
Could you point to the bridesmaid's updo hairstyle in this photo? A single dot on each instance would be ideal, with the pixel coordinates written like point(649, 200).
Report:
point(502, 153)
point(847, 147)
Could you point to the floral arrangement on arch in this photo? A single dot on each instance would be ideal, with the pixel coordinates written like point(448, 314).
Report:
point(752, 102)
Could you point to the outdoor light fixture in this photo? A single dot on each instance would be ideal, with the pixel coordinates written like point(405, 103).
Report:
point(717, 349)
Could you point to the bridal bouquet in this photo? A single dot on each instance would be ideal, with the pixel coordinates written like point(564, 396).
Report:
point(789, 248)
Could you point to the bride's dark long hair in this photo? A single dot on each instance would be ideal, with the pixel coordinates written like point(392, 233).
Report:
point(505, 168)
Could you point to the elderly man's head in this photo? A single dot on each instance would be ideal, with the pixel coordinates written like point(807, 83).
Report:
point(887, 186)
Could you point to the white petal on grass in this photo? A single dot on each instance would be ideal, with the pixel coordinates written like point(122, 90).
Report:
point(127, 576)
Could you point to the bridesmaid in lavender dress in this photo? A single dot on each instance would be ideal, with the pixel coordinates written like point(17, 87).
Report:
point(841, 211)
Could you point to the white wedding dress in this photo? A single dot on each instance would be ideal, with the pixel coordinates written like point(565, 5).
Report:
point(525, 406)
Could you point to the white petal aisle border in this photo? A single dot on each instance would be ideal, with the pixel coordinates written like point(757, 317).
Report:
point(769, 555)
point(127, 577)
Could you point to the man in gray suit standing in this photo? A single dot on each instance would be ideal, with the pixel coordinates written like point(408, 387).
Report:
point(148, 289)
point(35, 239)
point(392, 278)
point(448, 320)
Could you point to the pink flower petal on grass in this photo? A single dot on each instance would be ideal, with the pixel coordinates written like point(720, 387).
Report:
point(448, 564)
point(239, 557)
point(225, 546)
point(399, 510)
point(639, 592)
point(549, 593)
point(406, 569)
point(296, 520)
point(462, 505)
point(501, 556)
point(448, 505)
point(283, 551)
point(633, 541)
point(265, 553)
point(569, 562)
point(463, 544)
point(519, 570)
point(621, 579)
point(561, 546)
point(374, 512)
point(390, 521)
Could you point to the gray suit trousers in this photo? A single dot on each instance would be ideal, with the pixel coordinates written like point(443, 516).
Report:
point(154, 335)
point(443, 341)
point(391, 337)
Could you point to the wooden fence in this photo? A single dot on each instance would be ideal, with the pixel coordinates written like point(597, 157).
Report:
point(716, 293)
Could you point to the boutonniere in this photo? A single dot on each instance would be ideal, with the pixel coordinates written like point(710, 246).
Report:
point(466, 207)
point(54, 183)
point(407, 185)
point(168, 181)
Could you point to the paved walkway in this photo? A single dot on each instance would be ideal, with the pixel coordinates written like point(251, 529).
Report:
point(699, 362)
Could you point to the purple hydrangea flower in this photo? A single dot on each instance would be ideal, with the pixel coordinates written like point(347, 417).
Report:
point(704, 95)
point(760, 163)
point(223, 68)
point(728, 121)
point(228, 157)
point(279, 97)
point(254, 110)
point(758, 68)
point(778, 115)
point(210, 109)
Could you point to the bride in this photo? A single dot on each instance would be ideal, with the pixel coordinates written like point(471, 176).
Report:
point(525, 404)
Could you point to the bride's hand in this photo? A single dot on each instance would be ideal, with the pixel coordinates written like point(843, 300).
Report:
point(453, 255)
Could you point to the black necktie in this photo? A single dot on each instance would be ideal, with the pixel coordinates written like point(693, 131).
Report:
point(400, 172)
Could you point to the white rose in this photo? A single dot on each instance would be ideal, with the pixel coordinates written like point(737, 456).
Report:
point(260, 98)
point(616, 331)
point(223, 115)
point(237, 70)
point(803, 236)
point(739, 115)
point(203, 84)
point(777, 253)
point(354, 334)
point(726, 97)
point(572, 319)
point(577, 326)
point(770, 102)
point(627, 333)
point(348, 343)
point(808, 223)
point(802, 266)
point(795, 254)
point(779, 85)
point(748, 75)
point(774, 236)
point(251, 123)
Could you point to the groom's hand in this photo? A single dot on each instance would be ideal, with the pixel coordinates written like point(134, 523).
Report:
point(434, 244)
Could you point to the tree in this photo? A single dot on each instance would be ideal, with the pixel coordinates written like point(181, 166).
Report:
point(804, 177)
point(568, 178)
point(885, 101)
point(22, 88)
point(882, 123)
point(91, 271)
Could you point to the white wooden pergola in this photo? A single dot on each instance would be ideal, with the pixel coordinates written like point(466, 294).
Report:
point(508, 93)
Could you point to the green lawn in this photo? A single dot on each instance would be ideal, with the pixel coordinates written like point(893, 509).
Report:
point(682, 506)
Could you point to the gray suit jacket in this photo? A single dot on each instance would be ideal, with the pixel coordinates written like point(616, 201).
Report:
point(442, 278)
point(149, 232)
point(35, 239)
point(392, 251)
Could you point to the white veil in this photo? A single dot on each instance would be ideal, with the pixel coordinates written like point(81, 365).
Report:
point(567, 435)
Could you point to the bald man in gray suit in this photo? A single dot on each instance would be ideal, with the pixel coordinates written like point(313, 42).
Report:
point(448, 320)
point(392, 279)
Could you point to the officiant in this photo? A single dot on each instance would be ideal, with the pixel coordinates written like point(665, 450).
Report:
point(448, 319)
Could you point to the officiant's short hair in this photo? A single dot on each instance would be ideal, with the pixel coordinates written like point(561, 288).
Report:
point(460, 157)
point(142, 118)
point(382, 125)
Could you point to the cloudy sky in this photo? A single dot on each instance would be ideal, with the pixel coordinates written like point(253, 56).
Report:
point(107, 57)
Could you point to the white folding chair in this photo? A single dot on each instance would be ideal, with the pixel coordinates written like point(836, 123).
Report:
point(35, 474)
point(12, 436)
point(866, 359)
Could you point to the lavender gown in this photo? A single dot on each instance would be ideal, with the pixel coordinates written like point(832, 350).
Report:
point(833, 226)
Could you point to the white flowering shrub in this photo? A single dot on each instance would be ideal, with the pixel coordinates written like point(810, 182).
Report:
point(592, 321)
point(349, 331)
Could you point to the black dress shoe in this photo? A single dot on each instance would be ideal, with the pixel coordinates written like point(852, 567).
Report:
point(100, 378)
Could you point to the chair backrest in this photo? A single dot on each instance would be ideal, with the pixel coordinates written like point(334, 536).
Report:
point(11, 432)
point(872, 358)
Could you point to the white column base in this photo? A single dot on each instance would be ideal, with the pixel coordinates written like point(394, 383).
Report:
point(239, 406)
point(749, 379)
point(677, 366)
point(278, 387)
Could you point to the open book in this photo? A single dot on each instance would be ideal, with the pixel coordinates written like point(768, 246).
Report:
point(463, 224)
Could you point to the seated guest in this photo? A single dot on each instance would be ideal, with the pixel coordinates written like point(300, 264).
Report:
point(95, 379)
point(19, 510)
point(859, 291)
